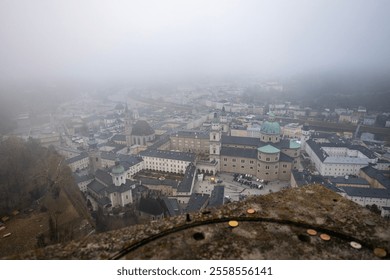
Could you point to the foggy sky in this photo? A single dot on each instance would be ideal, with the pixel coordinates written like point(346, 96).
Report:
point(95, 40)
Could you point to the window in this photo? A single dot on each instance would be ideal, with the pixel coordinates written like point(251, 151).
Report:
point(243, 161)
point(267, 167)
point(267, 159)
point(127, 197)
point(269, 138)
point(233, 165)
point(251, 162)
point(234, 160)
point(242, 166)
point(225, 159)
point(276, 166)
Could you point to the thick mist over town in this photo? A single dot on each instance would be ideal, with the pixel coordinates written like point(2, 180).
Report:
point(109, 41)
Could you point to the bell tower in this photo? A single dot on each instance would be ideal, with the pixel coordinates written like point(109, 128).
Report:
point(215, 139)
point(128, 126)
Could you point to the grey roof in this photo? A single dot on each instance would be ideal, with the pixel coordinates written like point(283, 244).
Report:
point(119, 138)
point(129, 161)
point(81, 156)
point(103, 176)
point(197, 202)
point(139, 189)
point(303, 178)
point(172, 206)
point(122, 188)
point(363, 150)
point(104, 201)
point(333, 188)
point(108, 155)
point(186, 184)
point(322, 155)
point(142, 128)
point(168, 155)
point(217, 196)
point(337, 142)
point(238, 152)
point(285, 158)
point(153, 181)
point(150, 206)
point(240, 141)
point(378, 175)
point(192, 134)
point(350, 180)
point(126, 160)
point(282, 144)
point(253, 142)
point(367, 192)
point(159, 141)
point(386, 208)
point(96, 187)
point(83, 178)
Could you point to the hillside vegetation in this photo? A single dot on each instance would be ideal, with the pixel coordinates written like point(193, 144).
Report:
point(36, 182)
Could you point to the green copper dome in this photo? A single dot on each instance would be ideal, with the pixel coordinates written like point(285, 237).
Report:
point(118, 168)
point(294, 144)
point(270, 128)
point(268, 149)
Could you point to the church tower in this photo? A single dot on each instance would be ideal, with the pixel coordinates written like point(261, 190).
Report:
point(305, 135)
point(215, 139)
point(93, 152)
point(118, 173)
point(224, 121)
point(128, 126)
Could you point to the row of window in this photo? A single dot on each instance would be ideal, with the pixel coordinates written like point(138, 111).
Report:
point(165, 169)
point(165, 164)
point(164, 160)
point(242, 160)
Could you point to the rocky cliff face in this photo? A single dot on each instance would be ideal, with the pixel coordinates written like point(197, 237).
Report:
point(274, 226)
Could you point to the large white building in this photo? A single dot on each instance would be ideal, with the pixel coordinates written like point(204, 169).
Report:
point(338, 158)
point(368, 196)
point(167, 161)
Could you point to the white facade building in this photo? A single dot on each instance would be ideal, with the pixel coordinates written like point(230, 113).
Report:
point(79, 162)
point(167, 161)
point(368, 196)
point(332, 159)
